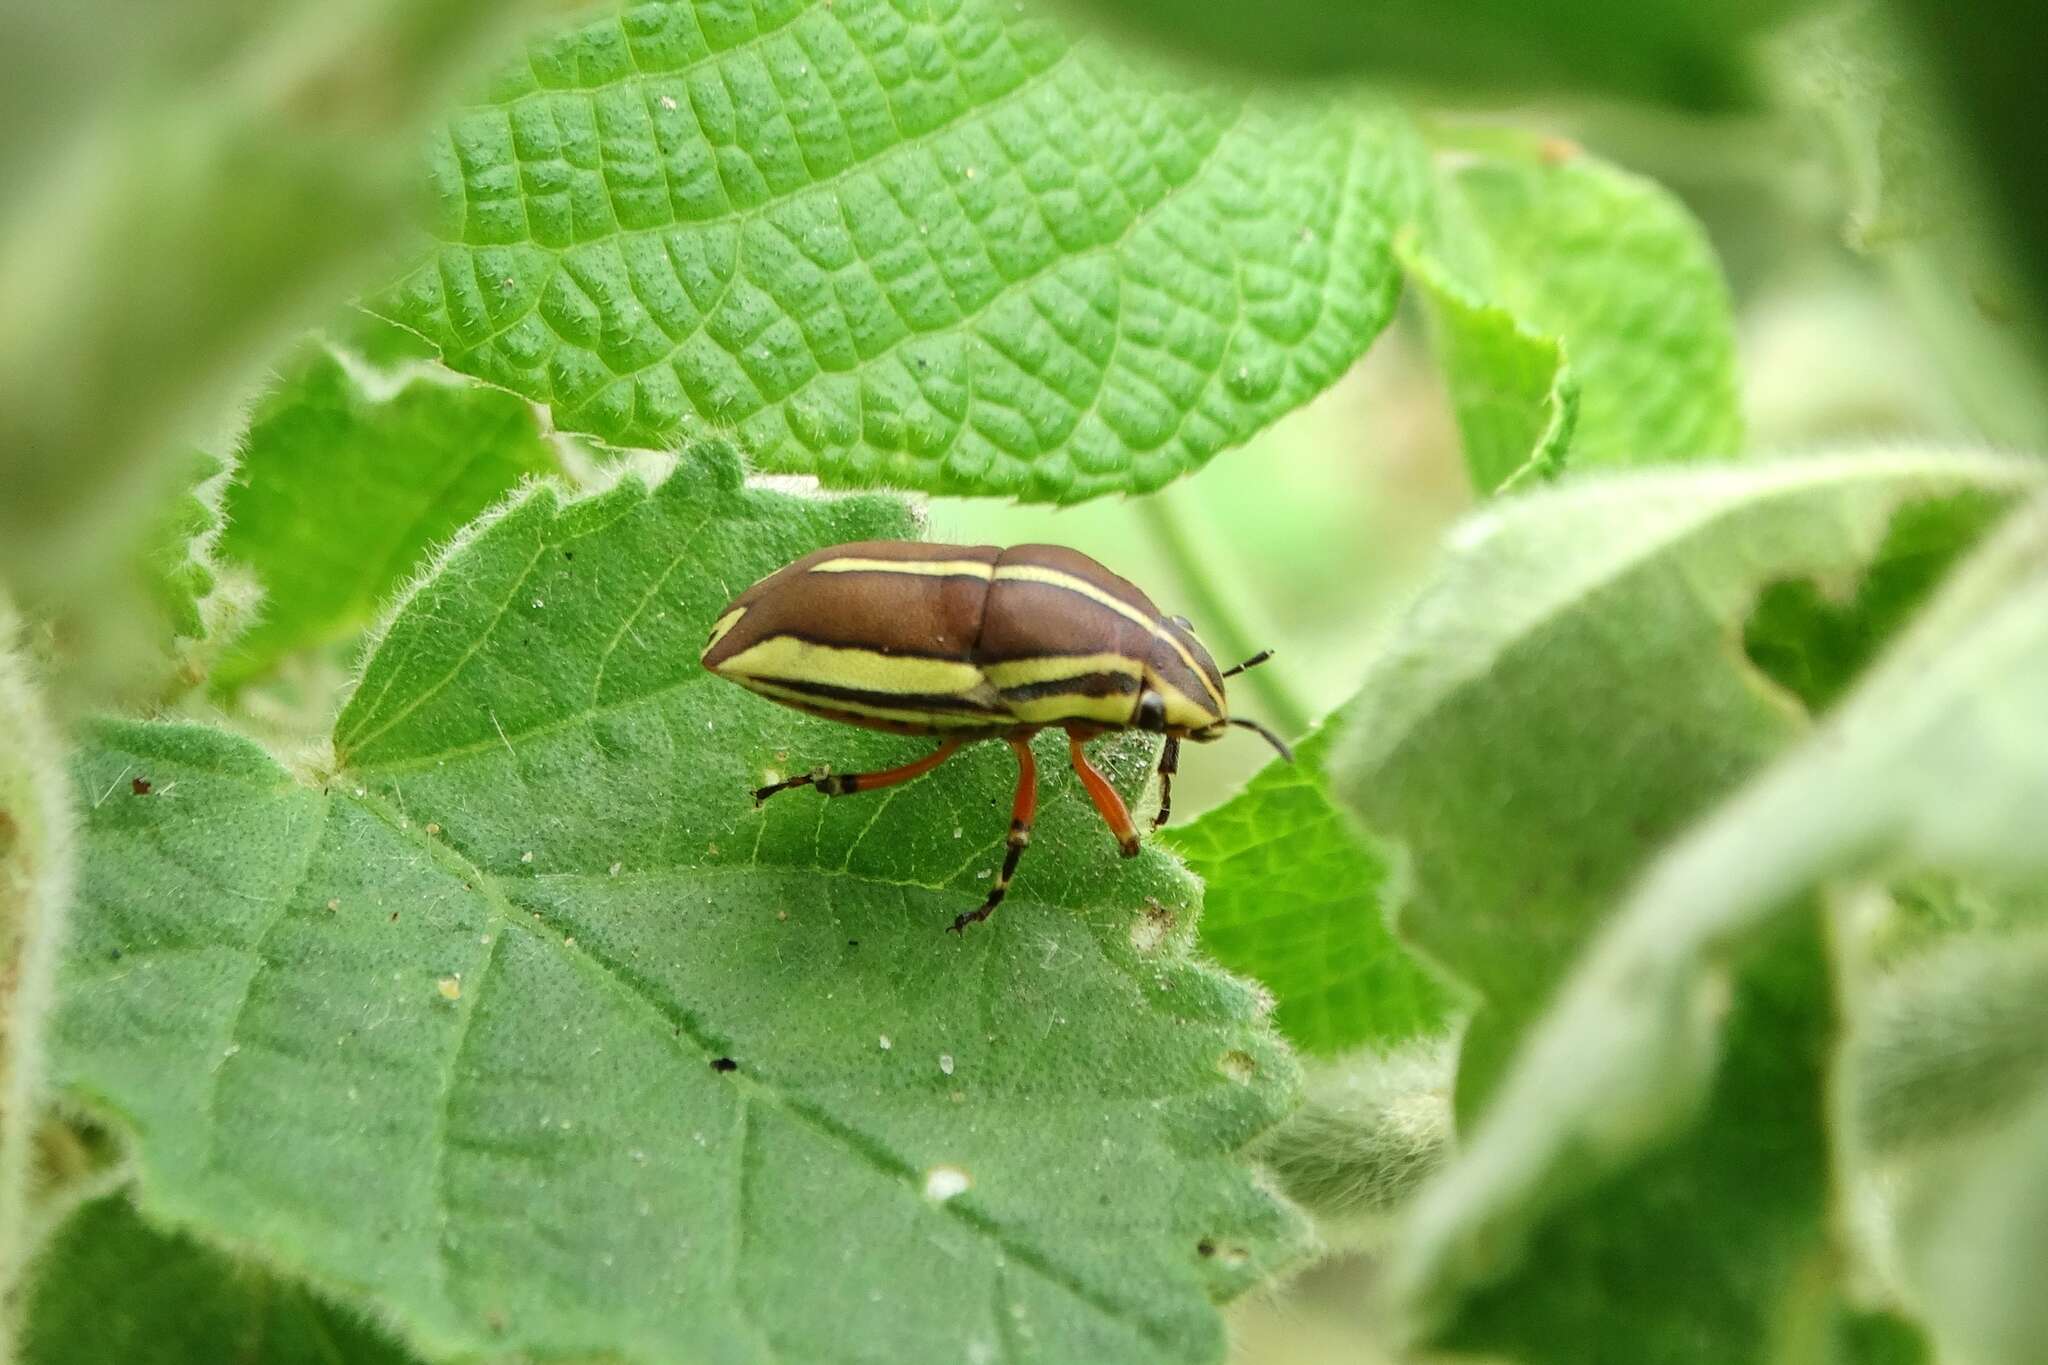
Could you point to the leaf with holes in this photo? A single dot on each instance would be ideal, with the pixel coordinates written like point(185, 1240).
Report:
point(950, 250)
point(1939, 756)
point(522, 1021)
point(347, 477)
point(1571, 692)
point(1294, 895)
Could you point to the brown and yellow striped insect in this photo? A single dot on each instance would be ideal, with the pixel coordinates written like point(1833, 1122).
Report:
point(972, 642)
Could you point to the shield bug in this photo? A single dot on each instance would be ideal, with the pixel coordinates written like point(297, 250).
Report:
point(971, 642)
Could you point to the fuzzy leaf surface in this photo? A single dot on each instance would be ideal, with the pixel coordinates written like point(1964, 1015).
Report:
point(346, 479)
point(109, 1287)
point(1520, 849)
point(947, 249)
point(440, 1030)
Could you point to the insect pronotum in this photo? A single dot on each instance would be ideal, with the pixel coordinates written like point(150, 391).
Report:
point(972, 642)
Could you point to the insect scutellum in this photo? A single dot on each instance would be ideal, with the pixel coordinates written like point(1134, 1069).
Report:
point(973, 642)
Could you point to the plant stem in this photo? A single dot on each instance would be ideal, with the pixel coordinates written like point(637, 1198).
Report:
point(1220, 626)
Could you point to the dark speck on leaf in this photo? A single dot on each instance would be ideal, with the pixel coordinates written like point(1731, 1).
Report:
point(1206, 1247)
point(568, 554)
point(140, 786)
point(853, 943)
point(113, 954)
point(724, 1064)
point(394, 917)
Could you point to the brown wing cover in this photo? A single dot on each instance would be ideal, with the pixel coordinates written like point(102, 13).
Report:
point(926, 615)
point(1029, 620)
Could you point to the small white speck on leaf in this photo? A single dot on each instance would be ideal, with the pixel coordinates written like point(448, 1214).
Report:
point(538, 604)
point(946, 1062)
point(231, 1049)
point(668, 102)
point(957, 831)
point(334, 904)
point(431, 827)
point(568, 940)
point(527, 856)
point(614, 870)
point(885, 1042)
point(944, 1182)
point(484, 939)
point(1237, 1065)
point(450, 987)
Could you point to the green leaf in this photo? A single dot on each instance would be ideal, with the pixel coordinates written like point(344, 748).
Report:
point(108, 1287)
point(1571, 691)
point(943, 250)
point(347, 478)
point(1690, 55)
point(1938, 753)
point(1293, 897)
point(36, 865)
point(438, 1029)
point(1512, 391)
point(1555, 275)
point(189, 190)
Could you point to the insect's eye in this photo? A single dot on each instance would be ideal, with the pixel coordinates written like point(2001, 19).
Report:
point(1151, 712)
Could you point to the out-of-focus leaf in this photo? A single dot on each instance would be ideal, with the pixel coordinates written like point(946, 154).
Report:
point(945, 249)
point(1569, 693)
point(1294, 896)
point(108, 1288)
point(1666, 51)
point(1939, 756)
point(35, 891)
point(1545, 254)
point(347, 478)
point(182, 194)
point(526, 1023)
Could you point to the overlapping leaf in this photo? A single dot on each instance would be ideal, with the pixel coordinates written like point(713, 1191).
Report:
point(108, 1287)
point(1295, 896)
point(1575, 308)
point(450, 1026)
point(346, 479)
point(949, 250)
point(1534, 734)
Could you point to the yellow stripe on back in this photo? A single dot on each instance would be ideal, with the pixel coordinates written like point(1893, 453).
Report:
point(722, 625)
point(929, 568)
point(787, 659)
point(1033, 573)
point(1056, 667)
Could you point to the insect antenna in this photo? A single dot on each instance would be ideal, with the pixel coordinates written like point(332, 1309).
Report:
point(1252, 662)
point(1265, 734)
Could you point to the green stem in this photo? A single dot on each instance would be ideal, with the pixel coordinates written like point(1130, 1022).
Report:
point(1220, 626)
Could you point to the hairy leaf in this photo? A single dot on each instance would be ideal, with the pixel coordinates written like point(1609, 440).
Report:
point(524, 1022)
point(948, 250)
point(347, 477)
point(108, 1287)
point(36, 858)
point(1569, 693)
point(1689, 55)
point(1642, 1058)
point(1549, 253)
point(1294, 896)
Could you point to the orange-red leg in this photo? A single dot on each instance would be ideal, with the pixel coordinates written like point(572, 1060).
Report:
point(1111, 806)
point(844, 784)
point(1022, 812)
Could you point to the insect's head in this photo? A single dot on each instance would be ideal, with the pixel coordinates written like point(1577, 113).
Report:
point(1184, 692)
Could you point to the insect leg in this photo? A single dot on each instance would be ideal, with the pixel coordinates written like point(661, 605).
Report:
point(1022, 813)
point(845, 784)
point(1169, 764)
point(1111, 806)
